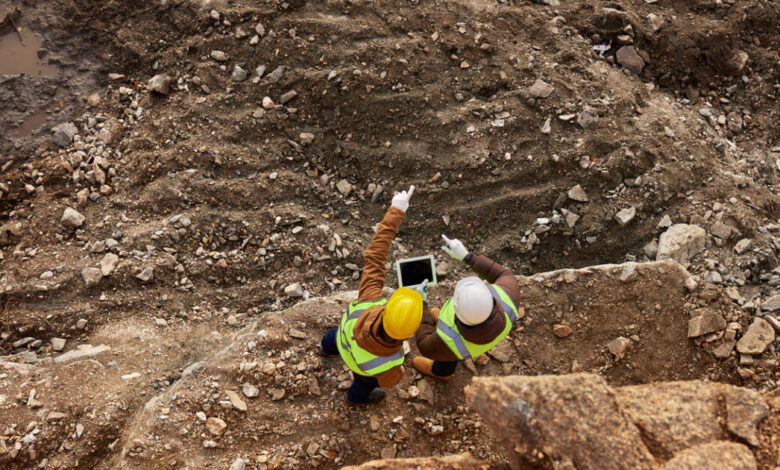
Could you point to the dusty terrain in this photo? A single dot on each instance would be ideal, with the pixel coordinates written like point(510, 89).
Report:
point(269, 143)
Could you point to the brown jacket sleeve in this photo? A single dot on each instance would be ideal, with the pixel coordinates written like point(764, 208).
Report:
point(429, 343)
point(496, 274)
point(375, 256)
point(391, 377)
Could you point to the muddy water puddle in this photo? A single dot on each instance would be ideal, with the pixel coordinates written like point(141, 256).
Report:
point(31, 124)
point(21, 57)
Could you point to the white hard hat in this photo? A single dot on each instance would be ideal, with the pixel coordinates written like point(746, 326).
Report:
point(472, 301)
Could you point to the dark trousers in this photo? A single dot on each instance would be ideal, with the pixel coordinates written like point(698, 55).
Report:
point(444, 368)
point(361, 386)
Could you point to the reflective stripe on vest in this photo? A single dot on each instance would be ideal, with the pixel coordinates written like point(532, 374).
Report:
point(508, 309)
point(463, 349)
point(358, 359)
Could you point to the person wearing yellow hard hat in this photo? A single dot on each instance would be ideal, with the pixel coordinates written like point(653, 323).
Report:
point(370, 336)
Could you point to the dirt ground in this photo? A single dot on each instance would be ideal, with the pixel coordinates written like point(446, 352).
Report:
point(229, 198)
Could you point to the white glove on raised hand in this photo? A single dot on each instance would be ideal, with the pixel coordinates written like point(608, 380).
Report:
point(422, 289)
point(401, 200)
point(454, 248)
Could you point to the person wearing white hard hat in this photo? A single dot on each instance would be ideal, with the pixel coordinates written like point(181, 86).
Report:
point(476, 318)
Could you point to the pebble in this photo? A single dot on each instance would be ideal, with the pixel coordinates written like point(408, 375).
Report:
point(624, 216)
point(57, 344)
point(287, 97)
point(209, 444)
point(260, 70)
point(618, 347)
point(344, 187)
point(216, 426)
point(276, 75)
point(277, 394)
point(540, 89)
point(146, 275)
point(707, 322)
point(297, 334)
point(306, 138)
point(681, 242)
point(108, 263)
point(72, 218)
point(577, 194)
point(268, 103)
point(238, 464)
point(628, 57)
point(249, 390)
point(562, 331)
point(219, 56)
point(771, 304)
point(260, 29)
point(161, 322)
point(294, 290)
point(239, 74)
point(91, 276)
point(759, 335)
point(236, 400)
point(743, 245)
point(160, 84)
point(64, 134)
point(665, 222)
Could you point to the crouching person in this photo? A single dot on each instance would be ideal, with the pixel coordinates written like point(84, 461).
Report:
point(370, 336)
point(471, 322)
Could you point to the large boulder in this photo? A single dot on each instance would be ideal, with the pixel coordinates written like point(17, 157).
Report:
point(718, 454)
point(577, 421)
point(681, 242)
point(571, 418)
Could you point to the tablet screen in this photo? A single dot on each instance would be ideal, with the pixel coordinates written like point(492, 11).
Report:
point(415, 272)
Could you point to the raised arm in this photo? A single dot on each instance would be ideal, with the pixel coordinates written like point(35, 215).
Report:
point(375, 256)
point(485, 268)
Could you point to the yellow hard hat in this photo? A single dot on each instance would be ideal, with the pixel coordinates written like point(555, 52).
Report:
point(403, 313)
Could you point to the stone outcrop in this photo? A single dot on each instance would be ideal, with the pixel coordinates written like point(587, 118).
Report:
point(463, 461)
point(578, 421)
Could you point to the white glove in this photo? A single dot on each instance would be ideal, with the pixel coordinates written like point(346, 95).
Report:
point(454, 248)
point(422, 289)
point(401, 200)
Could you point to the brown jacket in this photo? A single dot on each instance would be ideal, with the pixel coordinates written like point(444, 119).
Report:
point(368, 330)
point(429, 343)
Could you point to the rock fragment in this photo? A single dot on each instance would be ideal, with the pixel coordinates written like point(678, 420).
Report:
point(624, 216)
point(63, 134)
point(306, 138)
point(628, 57)
point(618, 347)
point(236, 400)
point(562, 331)
point(160, 84)
point(707, 322)
point(344, 187)
point(91, 276)
point(216, 426)
point(146, 275)
point(219, 56)
point(72, 218)
point(57, 344)
point(239, 74)
point(681, 242)
point(540, 89)
point(577, 194)
point(294, 290)
point(249, 390)
point(759, 335)
point(108, 264)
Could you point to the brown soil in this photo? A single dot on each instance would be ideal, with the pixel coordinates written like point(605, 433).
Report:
point(395, 93)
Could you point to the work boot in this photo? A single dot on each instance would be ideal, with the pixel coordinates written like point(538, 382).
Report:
point(375, 396)
point(425, 366)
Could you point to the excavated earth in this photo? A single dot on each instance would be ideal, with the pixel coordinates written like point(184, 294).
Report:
point(226, 203)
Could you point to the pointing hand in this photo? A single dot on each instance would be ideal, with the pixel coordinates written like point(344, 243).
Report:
point(455, 248)
point(401, 200)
